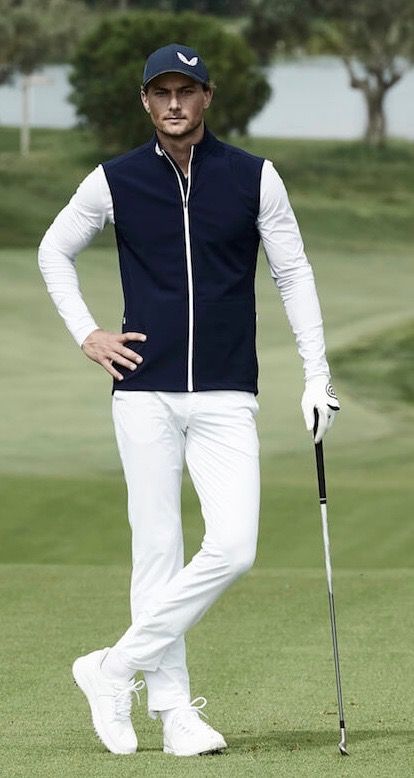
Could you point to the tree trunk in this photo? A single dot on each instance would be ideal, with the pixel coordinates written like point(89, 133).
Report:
point(5, 73)
point(374, 85)
point(376, 128)
point(25, 123)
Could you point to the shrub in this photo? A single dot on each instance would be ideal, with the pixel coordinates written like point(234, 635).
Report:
point(109, 62)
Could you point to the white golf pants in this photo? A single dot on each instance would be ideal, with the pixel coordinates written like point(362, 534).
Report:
point(215, 433)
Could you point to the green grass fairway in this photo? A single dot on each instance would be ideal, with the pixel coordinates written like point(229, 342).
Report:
point(262, 655)
point(268, 679)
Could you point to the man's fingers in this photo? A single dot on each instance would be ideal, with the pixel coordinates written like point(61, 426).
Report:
point(107, 364)
point(126, 336)
point(326, 419)
point(129, 354)
point(309, 418)
point(322, 424)
point(120, 360)
point(107, 348)
point(331, 418)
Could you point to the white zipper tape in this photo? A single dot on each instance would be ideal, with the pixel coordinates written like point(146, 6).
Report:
point(189, 264)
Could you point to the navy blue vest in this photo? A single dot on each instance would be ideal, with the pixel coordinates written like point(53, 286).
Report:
point(188, 252)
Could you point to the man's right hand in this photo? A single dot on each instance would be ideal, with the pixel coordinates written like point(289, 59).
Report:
point(107, 347)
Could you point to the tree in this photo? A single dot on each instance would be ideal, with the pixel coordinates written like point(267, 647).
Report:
point(276, 26)
point(374, 39)
point(230, 8)
point(108, 68)
point(32, 33)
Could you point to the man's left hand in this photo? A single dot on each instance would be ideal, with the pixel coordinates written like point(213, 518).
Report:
point(319, 393)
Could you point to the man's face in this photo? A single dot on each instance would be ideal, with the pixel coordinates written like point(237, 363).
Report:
point(176, 104)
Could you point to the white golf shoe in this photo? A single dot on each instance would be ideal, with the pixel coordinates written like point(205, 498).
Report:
point(185, 734)
point(110, 703)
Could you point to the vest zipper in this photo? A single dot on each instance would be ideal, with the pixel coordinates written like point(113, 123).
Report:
point(189, 264)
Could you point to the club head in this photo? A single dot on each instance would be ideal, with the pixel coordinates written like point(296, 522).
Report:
point(342, 744)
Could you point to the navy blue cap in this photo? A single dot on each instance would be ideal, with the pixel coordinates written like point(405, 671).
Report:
point(175, 58)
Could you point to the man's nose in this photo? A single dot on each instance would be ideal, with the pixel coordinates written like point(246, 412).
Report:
point(174, 102)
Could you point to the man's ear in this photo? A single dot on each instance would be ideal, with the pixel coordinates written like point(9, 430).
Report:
point(144, 100)
point(208, 96)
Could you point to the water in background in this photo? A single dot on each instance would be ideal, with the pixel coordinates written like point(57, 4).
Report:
point(311, 99)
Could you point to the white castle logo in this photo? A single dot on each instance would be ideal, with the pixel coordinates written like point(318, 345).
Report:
point(193, 61)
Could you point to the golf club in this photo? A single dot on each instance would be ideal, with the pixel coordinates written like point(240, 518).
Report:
point(320, 467)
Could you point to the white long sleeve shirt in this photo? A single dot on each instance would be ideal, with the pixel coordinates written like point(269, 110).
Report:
point(91, 208)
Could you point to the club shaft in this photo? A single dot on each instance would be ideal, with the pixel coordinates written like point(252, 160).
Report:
point(324, 516)
point(336, 658)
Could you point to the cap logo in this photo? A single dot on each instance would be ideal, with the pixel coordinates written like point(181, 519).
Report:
point(193, 61)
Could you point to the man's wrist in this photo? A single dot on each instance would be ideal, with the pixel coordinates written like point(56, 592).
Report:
point(89, 331)
point(318, 378)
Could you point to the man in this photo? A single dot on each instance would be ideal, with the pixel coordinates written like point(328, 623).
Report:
point(189, 212)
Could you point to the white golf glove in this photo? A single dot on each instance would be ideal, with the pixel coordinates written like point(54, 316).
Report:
point(319, 393)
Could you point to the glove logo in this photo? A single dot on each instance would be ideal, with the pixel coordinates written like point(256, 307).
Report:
point(193, 61)
point(330, 391)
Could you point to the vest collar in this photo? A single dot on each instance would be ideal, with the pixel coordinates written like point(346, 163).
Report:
point(201, 149)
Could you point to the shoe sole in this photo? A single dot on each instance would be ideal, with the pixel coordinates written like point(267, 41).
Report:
point(196, 753)
point(82, 682)
point(217, 750)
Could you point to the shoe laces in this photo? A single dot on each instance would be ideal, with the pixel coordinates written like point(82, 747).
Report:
point(199, 708)
point(123, 699)
point(187, 718)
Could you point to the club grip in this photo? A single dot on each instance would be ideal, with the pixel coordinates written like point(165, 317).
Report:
point(316, 422)
point(320, 467)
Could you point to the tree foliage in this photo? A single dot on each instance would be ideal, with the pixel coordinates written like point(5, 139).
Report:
point(34, 32)
point(215, 7)
point(108, 68)
point(276, 25)
point(374, 39)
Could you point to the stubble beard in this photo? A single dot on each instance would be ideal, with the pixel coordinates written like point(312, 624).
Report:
point(181, 134)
